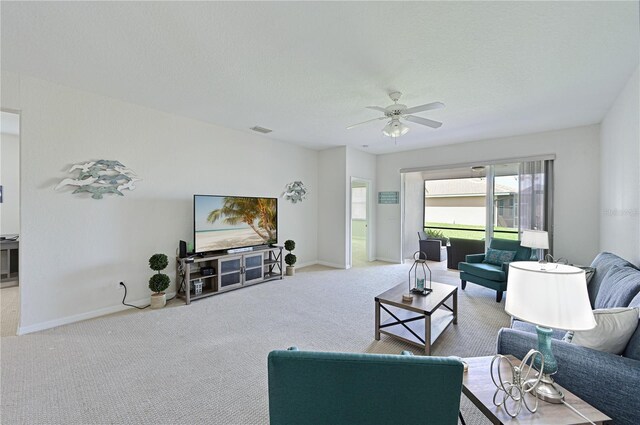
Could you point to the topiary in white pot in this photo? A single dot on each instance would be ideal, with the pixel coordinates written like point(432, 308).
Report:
point(159, 282)
point(290, 258)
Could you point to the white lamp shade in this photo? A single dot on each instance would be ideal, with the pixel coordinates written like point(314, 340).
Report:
point(554, 298)
point(537, 239)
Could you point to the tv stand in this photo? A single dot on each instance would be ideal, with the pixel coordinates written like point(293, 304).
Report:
point(231, 271)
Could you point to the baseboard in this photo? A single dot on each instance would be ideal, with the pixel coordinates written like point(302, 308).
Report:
point(23, 330)
point(388, 260)
point(307, 264)
point(334, 265)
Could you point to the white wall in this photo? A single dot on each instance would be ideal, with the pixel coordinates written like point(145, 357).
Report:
point(620, 174)
point(332, 207)
point(577, 184)
point(363, 165)
point(10, 181)
point(413, 204)
point(74, 250)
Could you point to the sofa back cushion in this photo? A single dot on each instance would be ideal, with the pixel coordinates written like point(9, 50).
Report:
point(619, 287)
point(603, 263)
point(633, 347)
point(522, 252)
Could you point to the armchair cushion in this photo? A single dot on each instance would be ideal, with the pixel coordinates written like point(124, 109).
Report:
point(498, 256)
point(483, 270)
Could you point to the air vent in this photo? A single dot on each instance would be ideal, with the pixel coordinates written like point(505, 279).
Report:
point(261, 129)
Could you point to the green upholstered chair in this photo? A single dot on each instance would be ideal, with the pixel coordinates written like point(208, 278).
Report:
point(318, 388)
point(493, 276)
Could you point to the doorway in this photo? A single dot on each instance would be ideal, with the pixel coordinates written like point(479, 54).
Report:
point(9, 221)
point(360, 241)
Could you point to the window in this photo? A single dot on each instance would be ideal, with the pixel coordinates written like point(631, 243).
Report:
point(359, 203)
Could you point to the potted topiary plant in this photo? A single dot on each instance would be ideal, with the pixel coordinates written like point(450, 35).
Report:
point(159, 281)
point(290, 258)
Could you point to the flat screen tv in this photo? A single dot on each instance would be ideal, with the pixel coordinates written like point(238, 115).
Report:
point(226, 222)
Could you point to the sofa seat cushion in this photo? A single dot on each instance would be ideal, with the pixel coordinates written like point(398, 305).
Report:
point(619, 287)
point(486, 271)
point(614, 329)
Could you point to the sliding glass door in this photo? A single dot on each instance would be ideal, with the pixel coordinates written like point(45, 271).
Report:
point(456, 208)
point(492, 201)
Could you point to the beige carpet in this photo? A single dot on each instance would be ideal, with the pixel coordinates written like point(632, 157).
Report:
point(206, 363)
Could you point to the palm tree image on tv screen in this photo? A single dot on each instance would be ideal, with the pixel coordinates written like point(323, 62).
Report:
point(223, 222)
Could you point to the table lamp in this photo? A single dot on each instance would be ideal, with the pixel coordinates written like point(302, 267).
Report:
point(553, 298)
point(536, 240)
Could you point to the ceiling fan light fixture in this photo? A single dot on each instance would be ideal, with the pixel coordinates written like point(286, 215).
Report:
point(395, 129)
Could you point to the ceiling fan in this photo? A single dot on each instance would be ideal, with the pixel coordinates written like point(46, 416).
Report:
point(395, 128)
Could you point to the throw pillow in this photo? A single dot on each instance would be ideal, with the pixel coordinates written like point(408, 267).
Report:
point(620, 285)
point(498, 256)
point(614, 329)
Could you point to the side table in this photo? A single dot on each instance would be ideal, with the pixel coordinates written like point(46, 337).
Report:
point(479, 388)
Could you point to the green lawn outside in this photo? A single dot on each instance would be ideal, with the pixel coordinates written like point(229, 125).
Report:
point(464, 233)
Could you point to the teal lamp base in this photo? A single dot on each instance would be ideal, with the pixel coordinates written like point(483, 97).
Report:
point(546, 390)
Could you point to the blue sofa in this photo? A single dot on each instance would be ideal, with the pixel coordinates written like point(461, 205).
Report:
point(609, 382)
point(492, 276)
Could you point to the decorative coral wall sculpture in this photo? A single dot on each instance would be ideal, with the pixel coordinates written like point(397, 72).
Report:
point(100, 177)
point(295, 192)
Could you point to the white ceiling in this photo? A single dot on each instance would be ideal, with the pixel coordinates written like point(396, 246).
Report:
point(307, 69)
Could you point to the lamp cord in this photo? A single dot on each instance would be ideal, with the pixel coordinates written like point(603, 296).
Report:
point(577, 412)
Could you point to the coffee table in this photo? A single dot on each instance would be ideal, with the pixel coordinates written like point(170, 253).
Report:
point(479, 388)
point(406, 321)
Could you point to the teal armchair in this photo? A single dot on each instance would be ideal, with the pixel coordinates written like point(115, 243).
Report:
point(318, 388)
point(492, 274)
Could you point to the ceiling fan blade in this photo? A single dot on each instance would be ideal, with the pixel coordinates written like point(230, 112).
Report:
point(422, 108)
point(423, 121)
point(377, 108)
point(364, 122)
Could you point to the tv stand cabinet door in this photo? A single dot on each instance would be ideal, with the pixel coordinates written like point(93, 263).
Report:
point(253, 268)
point(230, 272)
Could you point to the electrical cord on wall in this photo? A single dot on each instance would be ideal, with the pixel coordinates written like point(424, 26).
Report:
point(180, 289)
point(125, 296)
